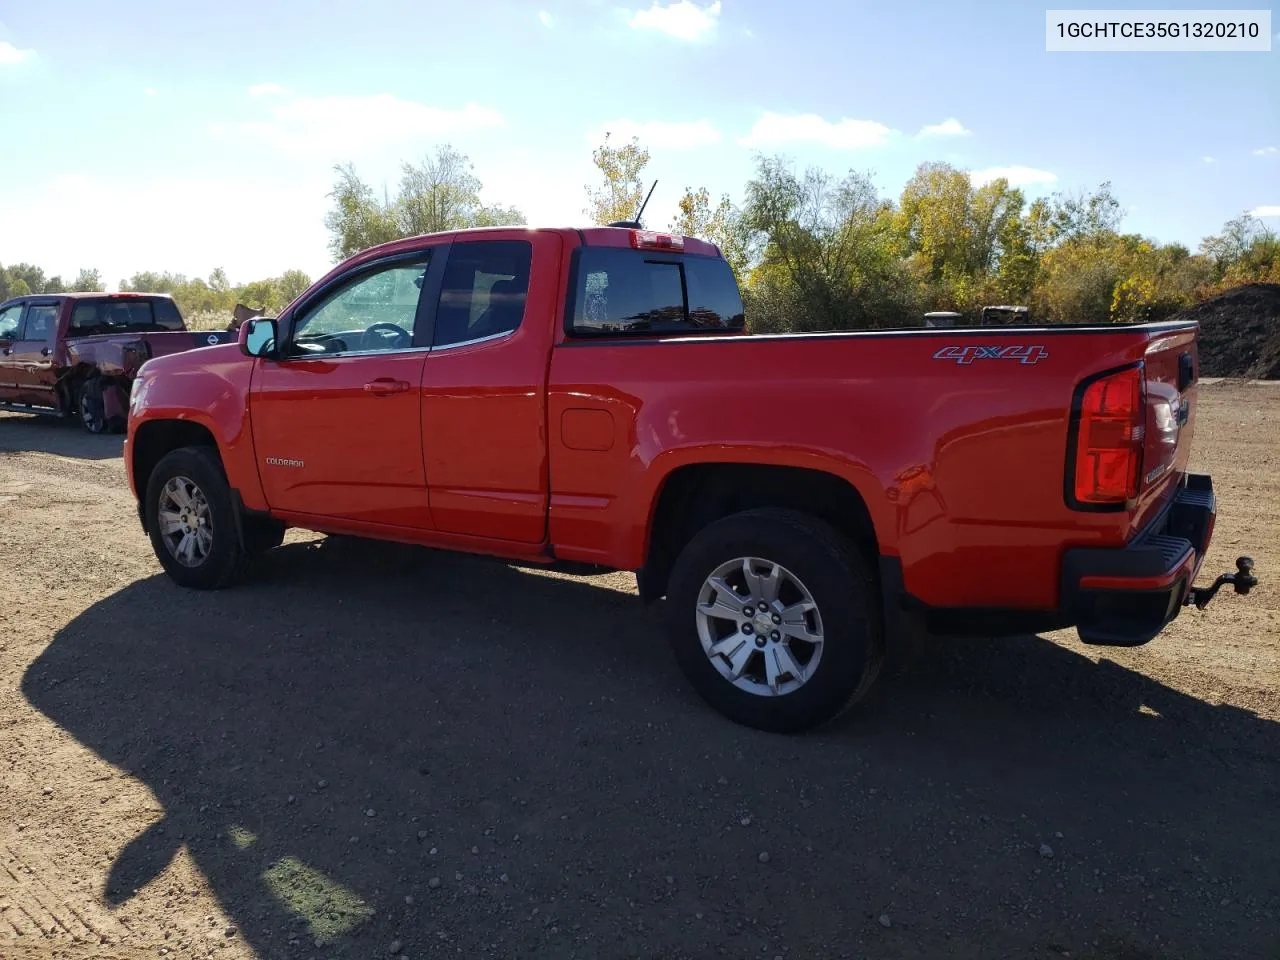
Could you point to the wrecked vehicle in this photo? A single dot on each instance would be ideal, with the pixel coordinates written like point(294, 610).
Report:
point(76, 354)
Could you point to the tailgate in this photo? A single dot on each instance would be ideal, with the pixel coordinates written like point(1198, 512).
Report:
point(1172, 367)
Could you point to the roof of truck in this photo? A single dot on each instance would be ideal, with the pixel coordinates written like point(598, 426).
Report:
point(593, 236)
point(86, 294)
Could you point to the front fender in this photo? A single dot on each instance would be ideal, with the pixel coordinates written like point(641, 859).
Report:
point(213, 394)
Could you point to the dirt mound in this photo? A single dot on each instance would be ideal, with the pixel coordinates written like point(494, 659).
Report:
point(1239, 332)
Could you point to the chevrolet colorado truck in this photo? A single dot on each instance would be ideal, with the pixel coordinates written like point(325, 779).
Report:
point(591, 395)
point(75, 354)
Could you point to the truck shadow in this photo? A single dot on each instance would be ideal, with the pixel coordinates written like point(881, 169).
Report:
point(40, 433)
point(362, 718)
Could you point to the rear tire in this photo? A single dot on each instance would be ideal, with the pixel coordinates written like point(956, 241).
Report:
point(810, 654)
point(191, 520)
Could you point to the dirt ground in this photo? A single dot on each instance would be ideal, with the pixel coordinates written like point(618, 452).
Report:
point(373, 750)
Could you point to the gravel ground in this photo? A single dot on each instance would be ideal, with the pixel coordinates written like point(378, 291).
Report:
point(374, 750)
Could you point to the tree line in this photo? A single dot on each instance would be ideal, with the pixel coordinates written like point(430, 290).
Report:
point(816, 250)
point(812, 249)
point(205, 303)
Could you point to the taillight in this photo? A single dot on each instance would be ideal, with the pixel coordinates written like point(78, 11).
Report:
point(1109, 426)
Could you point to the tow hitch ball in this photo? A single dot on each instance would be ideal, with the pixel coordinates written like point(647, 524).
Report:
point(1242, 580)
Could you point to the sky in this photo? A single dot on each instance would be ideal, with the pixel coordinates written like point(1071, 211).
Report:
point(148, 135)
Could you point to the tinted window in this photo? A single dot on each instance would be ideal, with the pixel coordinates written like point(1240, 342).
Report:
point(167, 315)
point(10, 318)
point(41, 321)
point(636, 292)
point(484, 289)
point(90, 317)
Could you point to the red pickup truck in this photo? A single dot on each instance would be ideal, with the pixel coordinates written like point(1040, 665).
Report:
point(75, 354)
point(591, 395)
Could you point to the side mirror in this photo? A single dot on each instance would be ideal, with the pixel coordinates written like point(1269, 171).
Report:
point(258, 337)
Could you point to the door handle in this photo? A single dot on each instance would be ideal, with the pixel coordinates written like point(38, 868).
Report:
point(386, 385)
point(44, 351)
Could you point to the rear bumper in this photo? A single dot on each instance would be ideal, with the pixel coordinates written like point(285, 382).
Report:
point(1126, 596)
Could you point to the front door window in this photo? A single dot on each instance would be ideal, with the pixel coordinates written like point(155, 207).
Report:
point(10, 322)
point(375, 313)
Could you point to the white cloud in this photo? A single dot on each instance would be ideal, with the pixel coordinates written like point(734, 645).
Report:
point(1017, 176)
point(546, 18)
point(266, 90)
point(149, 92)
point(345, 125)
point(11, 55)
point(1269, 210)
point(774, 129)
point(659, 133)
point(1266, 151)
point(1208, 159)
point(683, 20)
point(950, 127)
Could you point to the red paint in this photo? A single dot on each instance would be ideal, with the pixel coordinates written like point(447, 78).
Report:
point(535, 445)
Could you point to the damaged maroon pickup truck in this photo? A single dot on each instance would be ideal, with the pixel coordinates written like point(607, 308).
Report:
point(76, 354)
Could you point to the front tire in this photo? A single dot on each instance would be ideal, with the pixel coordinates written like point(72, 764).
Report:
point(191, 520)
point(89, 406)
point(89, 402)
point(775, 619)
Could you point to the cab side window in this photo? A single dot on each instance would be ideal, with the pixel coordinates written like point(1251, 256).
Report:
point(10, 322)
point(484, 290)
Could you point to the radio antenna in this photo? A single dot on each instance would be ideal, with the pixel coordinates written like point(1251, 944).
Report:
point(640, 212)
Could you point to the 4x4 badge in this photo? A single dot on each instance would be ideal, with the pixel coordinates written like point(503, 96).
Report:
point(966, 355)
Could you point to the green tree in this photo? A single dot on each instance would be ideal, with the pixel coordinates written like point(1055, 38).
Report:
point(218, 281)
point(958, 238)
point(19, 288)
point(722, 226)
point(32, 277)
point(443, 193)
point(292, 284)
point(1092, 216)
point(620, 195)
point(88, 281)
point(1245, 251)
point(831, 256)
point(357, 220)
point(149, 281)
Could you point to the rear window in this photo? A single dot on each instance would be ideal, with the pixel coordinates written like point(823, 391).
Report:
point(637, 292)
point(92, 317)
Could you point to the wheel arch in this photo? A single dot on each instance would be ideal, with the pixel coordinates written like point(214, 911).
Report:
point(693, 495)
point(153, 439)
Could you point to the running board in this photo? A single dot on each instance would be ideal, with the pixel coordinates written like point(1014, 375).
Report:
point(26, 408)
